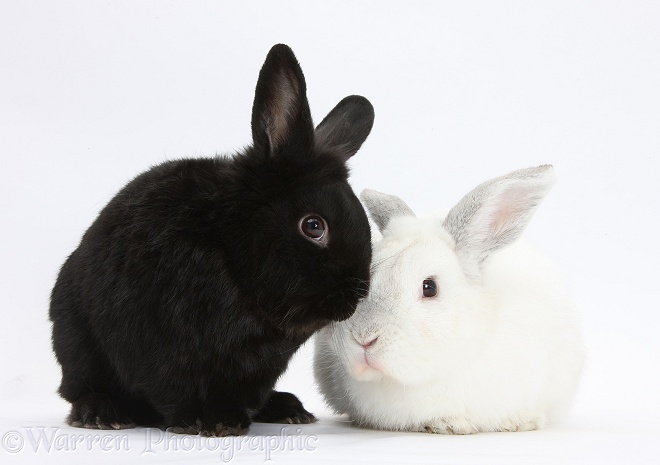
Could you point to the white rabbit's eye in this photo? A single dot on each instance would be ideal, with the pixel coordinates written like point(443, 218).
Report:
point(429, 288)
point(314, 228)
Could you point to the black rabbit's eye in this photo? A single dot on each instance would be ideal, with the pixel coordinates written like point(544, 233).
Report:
point(429, 288)
point(314, 228)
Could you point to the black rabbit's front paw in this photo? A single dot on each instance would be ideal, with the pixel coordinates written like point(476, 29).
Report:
point(98, 411)
point(209, 430)
point(214, 425)
point(283, 407)
point(222, 429)
point(224, 421)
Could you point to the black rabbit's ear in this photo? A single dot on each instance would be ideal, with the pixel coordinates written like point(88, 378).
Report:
point(280, 115)
point(346, 127)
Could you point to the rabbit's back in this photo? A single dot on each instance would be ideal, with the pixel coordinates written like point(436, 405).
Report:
point(535, 345)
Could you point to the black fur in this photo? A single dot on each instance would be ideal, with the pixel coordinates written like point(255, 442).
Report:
point(193, 288)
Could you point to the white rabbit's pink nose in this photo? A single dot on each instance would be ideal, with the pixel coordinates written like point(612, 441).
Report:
point(370, 343)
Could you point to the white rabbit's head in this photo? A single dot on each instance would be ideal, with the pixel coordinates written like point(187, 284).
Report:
point(427, 311)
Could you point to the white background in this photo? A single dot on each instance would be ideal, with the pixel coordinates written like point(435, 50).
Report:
point(93, 92)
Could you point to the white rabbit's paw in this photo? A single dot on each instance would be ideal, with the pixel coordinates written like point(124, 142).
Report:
point(528, 424)
point(451, 425)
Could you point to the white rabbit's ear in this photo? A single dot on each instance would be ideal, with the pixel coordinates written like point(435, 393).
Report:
point(383, 207)
point(495, 214)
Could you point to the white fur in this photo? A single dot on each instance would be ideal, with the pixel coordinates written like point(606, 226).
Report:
point(498, 349)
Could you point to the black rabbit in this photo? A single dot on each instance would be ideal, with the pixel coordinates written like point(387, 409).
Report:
point(190, 292)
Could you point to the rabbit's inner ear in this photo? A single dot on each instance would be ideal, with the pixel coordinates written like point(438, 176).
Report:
point(505, 215)
point(281, 109)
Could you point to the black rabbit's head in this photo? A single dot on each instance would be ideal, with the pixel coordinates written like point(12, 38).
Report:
point(302, 237)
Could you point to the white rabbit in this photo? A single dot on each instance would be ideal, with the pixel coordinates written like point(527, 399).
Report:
point(465, 329)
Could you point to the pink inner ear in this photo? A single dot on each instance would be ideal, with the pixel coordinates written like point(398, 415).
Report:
point(507, 210)
point(281, 105)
